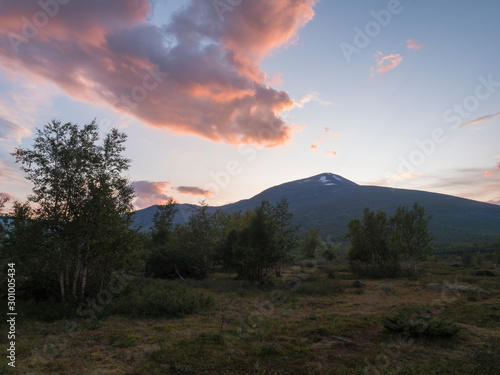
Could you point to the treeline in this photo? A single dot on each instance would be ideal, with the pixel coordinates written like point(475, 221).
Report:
point(253, 244)
point(379, 244)
point(75, 232)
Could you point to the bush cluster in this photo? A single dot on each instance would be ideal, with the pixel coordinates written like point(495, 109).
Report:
point(420, 324)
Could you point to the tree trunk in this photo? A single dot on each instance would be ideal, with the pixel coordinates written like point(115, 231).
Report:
point(75, 278)
point(84, 282)
point(279, 270)
point(66, 285)
point(61, 284)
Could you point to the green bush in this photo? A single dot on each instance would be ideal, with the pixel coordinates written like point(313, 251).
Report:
point(420, 324)
point(45, 311)
point(321, 287)
point(387, 288)
point(160, 298)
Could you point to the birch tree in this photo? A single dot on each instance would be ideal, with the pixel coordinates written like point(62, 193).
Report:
point(83, 203)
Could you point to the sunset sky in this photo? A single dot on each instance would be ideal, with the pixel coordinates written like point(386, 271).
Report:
point(223, 99)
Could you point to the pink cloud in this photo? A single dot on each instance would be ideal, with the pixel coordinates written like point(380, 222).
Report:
point(328, 135)
point(9, 129)
point(331, 153)
point(385, 63)
point(488, 174)
point(208, 83)
point(413, 44)
point(310, 97)
point(150, 193)
point(404, 176)
point(481, 119)
point(193, 190)
point(314, 147)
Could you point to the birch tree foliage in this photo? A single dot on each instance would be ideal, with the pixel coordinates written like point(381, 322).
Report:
point(83, 203)
point(410, 235)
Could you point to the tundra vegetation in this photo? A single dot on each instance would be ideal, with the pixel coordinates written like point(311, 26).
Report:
point(229, 294)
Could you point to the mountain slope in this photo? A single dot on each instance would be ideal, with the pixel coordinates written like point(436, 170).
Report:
point(329, 201)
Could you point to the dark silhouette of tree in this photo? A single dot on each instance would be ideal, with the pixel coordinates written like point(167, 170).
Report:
point(378, 243)
point(410, 235)
point(82, 206)
point(159, 263)
point(311, 243)
point(259, 242)
point(286, 233)
point(370, 252)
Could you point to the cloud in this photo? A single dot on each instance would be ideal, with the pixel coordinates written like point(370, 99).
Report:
point(498, 166)
point(331, 153)
point(193, 190)
point(10, 130)
point(150, 193)
point(195, 75)
point(10, 173)
point(480, 119)
point(327, 135)
point(22, 105)
point(467, 183)
point(413, 44)
point(488, 174)
point(385, 63)
point(494, 201)
point(314, 147)
point(390, 180)
point(311, 97)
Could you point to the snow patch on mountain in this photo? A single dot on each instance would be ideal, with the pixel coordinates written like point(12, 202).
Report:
point(326, 181)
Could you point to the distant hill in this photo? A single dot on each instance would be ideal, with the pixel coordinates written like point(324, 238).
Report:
point(328, 202)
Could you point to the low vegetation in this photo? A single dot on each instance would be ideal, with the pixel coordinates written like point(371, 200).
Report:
point(304, 323)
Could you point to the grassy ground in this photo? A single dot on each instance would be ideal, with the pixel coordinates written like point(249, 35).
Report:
point(305, 324)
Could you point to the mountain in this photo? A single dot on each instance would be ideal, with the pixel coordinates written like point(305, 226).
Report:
point(328, 202)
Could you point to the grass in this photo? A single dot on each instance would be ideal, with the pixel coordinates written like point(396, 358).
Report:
point(159, 298)
point(314, 325)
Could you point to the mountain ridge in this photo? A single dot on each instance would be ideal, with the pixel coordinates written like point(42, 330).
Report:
point(328, 202)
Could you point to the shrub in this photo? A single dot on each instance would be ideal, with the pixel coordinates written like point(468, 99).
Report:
point(45, 311)
point(375, 271)
point(420, 324)
point(160, 298)
point(321, 287)
point(387, 288)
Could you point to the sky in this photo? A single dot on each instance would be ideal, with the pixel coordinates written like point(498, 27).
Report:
point(222, 99)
